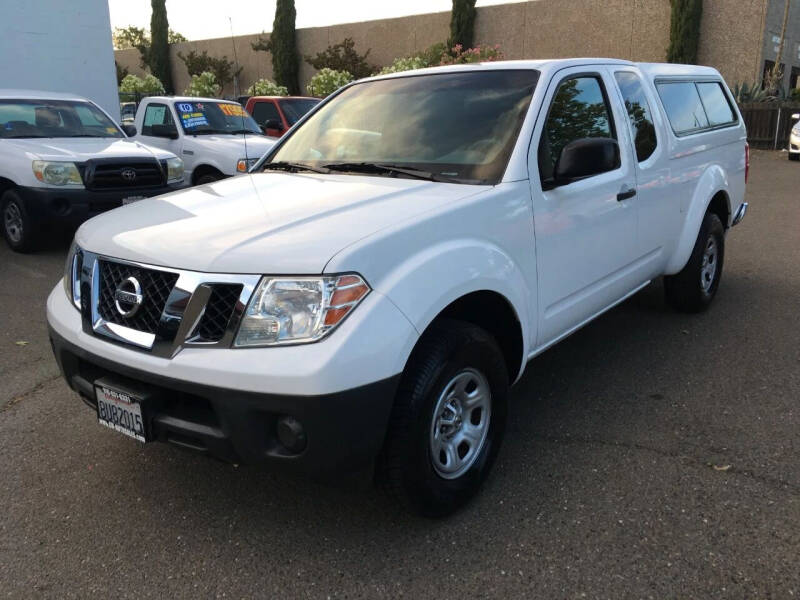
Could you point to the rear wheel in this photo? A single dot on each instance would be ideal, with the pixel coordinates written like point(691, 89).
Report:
point(19, 230)
point(448, 419)
point(694, 288)
point(794, 155)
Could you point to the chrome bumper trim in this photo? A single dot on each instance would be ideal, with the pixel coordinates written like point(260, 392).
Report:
point(737, 218)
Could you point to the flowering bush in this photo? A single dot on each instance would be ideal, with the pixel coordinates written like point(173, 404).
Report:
point(327, 81)
point(459, 56)
point(133, 84)
point(265, 87)
point(405, 63)
point(203, 85)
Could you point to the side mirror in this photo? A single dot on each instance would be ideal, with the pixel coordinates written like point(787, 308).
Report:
point(130, 130)
point(273, 124)
point(165, 131)
point(796, 117)
point(586, 157)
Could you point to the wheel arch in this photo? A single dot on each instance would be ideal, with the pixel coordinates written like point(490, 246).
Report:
point(206, 169)
point(711, 194)
point(6, 184)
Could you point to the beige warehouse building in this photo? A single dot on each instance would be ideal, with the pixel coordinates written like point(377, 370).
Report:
point(738, 37)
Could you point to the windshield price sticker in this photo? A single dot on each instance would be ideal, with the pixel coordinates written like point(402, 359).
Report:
point(232, 110)
point(192, 115)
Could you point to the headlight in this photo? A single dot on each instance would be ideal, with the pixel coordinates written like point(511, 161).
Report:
point(243, 165)
point(57, 173)
point(72, 275)
point(174, 169)
point(298, 310)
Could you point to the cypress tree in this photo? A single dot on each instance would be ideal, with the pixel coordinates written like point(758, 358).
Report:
point(462, 23)
point(159, 45)
point(684, 31)
point(283, 44)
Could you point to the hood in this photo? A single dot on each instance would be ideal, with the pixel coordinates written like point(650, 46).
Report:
point(234, 145)
point(83, 149)
point(276, 223)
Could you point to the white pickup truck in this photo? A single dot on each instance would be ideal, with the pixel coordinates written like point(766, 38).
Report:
point(215, 138)
point(368, 293)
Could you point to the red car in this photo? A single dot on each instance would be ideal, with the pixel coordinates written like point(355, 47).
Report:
point(276, 114)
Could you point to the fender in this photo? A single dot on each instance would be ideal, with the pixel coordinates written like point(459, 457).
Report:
point(451, 270)
point(711, 182)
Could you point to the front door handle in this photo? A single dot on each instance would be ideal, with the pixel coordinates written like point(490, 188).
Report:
point(626, 193)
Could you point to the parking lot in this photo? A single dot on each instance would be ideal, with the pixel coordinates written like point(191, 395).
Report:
point(652, 454)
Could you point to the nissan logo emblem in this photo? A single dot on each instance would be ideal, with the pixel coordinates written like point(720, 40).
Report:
point(128, 297)
point(128, 174)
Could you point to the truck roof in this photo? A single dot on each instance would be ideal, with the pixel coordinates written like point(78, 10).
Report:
point(187, 99)
point(12, 94)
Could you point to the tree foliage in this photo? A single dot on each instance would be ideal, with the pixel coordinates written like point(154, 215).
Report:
point(159, 59)
point(462, 23)
point(203, 85)
point(283, 46)
point(139, 38)
point(343, 57)
point(327, 81)
point(684, 31)
point(265, 87)
point(149, 85)
point(223, 69)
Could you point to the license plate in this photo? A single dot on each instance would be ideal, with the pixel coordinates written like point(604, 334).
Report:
point(131, 199)
point(120, 411)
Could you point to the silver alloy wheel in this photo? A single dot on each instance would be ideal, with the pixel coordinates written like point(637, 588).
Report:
point(708, 269)
point(460, 423)
point(12, 218)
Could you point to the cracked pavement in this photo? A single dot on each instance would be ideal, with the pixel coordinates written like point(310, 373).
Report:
point(650, 455)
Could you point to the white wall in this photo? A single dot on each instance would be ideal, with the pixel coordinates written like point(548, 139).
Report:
point(59, 46)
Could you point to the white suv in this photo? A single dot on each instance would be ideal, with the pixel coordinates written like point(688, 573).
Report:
point(367, 295)
point(215, 138)
point(63, 160)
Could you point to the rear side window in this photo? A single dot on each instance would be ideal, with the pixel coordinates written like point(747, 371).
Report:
point(644, 132)
point(683, 106)
point(718, 109)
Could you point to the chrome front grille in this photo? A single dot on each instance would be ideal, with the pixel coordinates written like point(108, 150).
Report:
point(156, 287)
point(175, 308)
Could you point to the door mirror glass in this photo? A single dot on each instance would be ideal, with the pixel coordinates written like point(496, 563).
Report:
point(130, 130)
point(586, 157)
point(164, 131)
point(273, 124)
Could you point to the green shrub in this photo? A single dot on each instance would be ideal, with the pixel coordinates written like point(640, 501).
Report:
point(405, 63)
point(684, 31)
point(327, 81)
point(203, 85)
point(265, 87)
point(150, 85)
point(343, 57)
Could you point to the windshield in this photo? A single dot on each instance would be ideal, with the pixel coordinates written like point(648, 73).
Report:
point(458, 126)
point(54, 119)
point(204, 118)
point(294, 108)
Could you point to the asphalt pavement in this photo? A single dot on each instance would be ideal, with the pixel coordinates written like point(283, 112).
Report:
point(650, 455)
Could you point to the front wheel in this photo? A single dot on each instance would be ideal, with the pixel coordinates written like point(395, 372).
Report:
point(448, 419)
point(694, 288)
point(794, 155)
point(18, 226)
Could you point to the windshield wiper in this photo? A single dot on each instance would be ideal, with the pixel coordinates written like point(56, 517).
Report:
point(292, 166)
point(368, 167)
point(237, 131)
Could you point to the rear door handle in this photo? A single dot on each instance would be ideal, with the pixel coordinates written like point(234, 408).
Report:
point(626, 193)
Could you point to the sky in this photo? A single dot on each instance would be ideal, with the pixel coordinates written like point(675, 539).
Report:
point(203, 19)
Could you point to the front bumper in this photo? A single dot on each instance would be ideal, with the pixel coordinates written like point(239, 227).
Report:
point(71, 207)
point(343, 431)
point(794, 144)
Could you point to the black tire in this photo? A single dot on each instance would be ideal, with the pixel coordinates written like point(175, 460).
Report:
point(19, 228)
point(686, 291)
point(207, 178)
point(449, 349)
point(794, 155)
